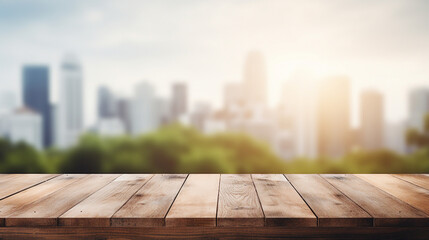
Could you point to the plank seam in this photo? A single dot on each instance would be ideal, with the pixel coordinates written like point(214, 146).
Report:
point(259, 200)
point(296, 190)
point(30, 186)
point(418, 209)
point(177, 194)
point(57, 218)
point(110, 219)
point(394, 175)
point(373, 219)
point(218, 193)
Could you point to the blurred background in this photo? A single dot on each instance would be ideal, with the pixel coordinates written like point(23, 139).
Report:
point(214, 86)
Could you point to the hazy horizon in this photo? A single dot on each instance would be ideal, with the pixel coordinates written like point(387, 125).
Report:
point(378, 44)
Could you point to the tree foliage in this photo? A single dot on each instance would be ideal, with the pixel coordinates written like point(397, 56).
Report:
point(178, 149)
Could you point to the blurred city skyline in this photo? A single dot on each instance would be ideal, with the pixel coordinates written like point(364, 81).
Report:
point(379, 45)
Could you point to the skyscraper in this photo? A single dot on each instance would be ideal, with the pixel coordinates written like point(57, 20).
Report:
point(107, 106)
point(179, 101)
point(144, 117)
point(299, 110)
point(25, 125)
point(334, 116)
point(371, 120)
point(36, 96)
point(233, 96)
point(70, 105)
point(418, 107)
point(255, 79)
point(123, 106)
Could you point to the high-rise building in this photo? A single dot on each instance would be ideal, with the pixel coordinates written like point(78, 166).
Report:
point(371, 120)
point(144, 117)
point(36, 96)
point(110, 127)
point(70, 104)
point(334, 116)
point(107, 105)
point(395, 137)
point(25, 125)
point(233, 97)
point(255, 79)
point(123, 106)
point(298, 108)
point(163, 111)
point(200, 115)
point(418, 107)
point(179, 100)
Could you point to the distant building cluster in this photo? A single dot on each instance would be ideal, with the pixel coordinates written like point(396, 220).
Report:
point(310, 120)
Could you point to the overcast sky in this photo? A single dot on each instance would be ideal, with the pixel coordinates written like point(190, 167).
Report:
point(380, 44)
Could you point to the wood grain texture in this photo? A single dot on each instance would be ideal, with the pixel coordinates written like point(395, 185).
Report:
point(72, 233)
point(281, 204)
point(417, 179)
point(332, 207)
point(11, 204)
point(383, 207)
point(196, 204)
point(149, 206)
point(416, 196)
point(238, 202)
point(97, 209)
point(45, 211)
point(13, 183)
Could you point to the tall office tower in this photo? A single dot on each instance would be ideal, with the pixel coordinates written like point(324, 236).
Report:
point(255, 79)
point(233, 97)
point(418, 107)
point(36, 96)
point(25, 125)
point(371, 120)
point(298, 108)
point(107, 105)
point(334, 116)
point(179, 100)
point(144, 117)
point(7, 101)
point(70, 104)
point(163, 111)
point(123, 106)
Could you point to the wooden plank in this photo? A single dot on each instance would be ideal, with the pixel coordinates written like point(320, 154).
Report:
point(13, 183)
point(417, 179)
point(13, 203)
point(417, 197)
point(332, 208)
point(45, 211)
point(328, 233)
point(383, 207)
point(97, 209)
point(281, 204)
point(196, 204)
point(238, 202)
point(149, 206)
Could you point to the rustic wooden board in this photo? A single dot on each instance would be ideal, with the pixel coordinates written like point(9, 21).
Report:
point(416, 196)
point(149, 206)
point(13, 203)
point(417, 179)
point(45, 211)
point(324, 233)
point(13, 183)
point(383, 207)
point(238, 202)
point(97, 209)
point(281, 204)
point(332, 207)
point(196, 204)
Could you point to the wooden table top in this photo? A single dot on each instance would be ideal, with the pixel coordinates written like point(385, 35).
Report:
point(214, 200)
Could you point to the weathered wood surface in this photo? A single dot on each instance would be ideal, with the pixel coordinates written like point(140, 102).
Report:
point(331, 206)
point(267, 206)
